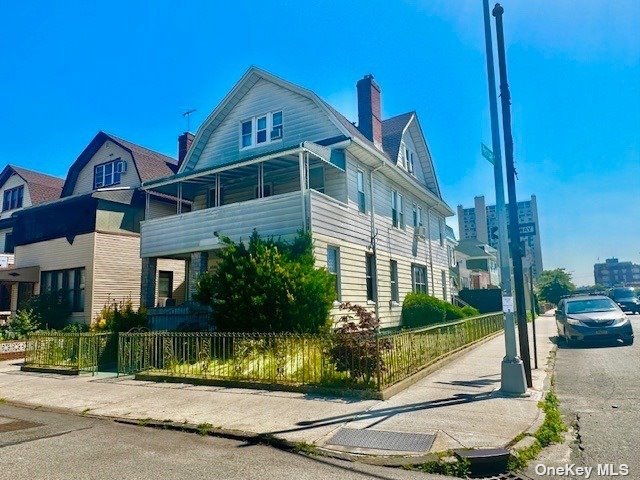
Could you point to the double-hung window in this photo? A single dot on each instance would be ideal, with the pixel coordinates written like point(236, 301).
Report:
point(110, 173)
point(370, 276)
point(417, 216)
point(419, 277)
point(333, 266)
point(441, 230)
point(393, 268)
point(397, 209)
point(409, 160)
point(261, 129)
point(13, 198)
point(362, 199)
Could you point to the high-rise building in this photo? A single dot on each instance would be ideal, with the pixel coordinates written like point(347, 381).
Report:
point(613, 273)
point(481, 222)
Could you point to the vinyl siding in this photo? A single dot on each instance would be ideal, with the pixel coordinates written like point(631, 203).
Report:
point(178, 267)
point(303, 120)
point(12, 182)
point(59, 254)
point(107, 152)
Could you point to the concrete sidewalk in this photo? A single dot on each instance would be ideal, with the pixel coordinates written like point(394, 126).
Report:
point(459, 404)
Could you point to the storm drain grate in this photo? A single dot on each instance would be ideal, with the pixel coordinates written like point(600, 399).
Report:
point(382, 440)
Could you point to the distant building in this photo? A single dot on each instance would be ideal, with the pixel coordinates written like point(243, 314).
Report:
point(613, 273)
point(477, 264)
point(480, 222)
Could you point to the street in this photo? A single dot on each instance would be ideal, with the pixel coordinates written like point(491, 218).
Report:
point(599, 392)
point(37, 445)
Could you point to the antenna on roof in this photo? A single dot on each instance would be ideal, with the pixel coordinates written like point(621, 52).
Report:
point(187, 114)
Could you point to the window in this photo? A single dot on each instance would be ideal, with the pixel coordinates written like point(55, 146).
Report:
point(393, 267)
point(333, 265)
point(267, 190)
point(397, 210)
point(362, 199)
point(441, 231)
point(8, 243)
point(261, 129)
point(409, 161)
point(69, 282)
point(370, 273)
point(107, 174)
point(444, 285)
point(165, 284)
point(214, 200)
point(419, 277)
point(13, 198)
point(417, 216)
point(316, 178)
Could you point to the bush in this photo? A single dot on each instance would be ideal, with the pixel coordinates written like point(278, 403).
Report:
point(452, 312)
point(356, 348)
point(76, 327)
point(268, 286)
point(469, 311)
point(52, 310)
point(119, 317)
point(420, 310)
point(25, 322)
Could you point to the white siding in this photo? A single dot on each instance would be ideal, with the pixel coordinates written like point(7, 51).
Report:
point(303, 120)
point(59, 254)
point(106, 153)
point(12, 182)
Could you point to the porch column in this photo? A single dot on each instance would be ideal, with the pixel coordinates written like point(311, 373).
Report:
point(198, 264)
point(148, 282)
point(303, 190)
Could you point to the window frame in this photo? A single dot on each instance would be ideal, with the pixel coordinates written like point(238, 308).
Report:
point(170, 278)
point(416, 285)
point(335, 274)
point(397, 210)
point(117, 168)
point(362, 196)
point(55, 281)
point(393, 275)
point(268, 130)
point(370, 272)
point(13, 198)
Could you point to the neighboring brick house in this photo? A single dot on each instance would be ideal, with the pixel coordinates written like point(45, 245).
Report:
point(275, 157)
point(88, 242)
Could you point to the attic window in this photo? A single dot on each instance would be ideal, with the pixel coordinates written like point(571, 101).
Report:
point(261, 130)
point(409, 161)
point(13, 198)
point(108, 174)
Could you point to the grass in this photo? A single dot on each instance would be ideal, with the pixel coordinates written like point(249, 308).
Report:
point(3, 400)
point(204, 429)
point(143, 422)
point(305, 448)
point(85, 411)
point(460, 468)
point(551, 431)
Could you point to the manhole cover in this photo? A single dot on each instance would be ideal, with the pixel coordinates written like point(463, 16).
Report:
point(12, 424)
point(381, 440)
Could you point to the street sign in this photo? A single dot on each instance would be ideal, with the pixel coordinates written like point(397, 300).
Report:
point(527, 229)
point(487, 153)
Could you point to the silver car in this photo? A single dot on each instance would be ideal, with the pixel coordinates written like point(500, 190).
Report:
point(592, 317)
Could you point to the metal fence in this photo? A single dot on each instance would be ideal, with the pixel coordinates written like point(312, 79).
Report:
point(190, 316)
point(71, 351)
point(363, 360)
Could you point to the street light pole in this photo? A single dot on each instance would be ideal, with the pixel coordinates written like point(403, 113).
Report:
point(512, 370)
point(514, 230)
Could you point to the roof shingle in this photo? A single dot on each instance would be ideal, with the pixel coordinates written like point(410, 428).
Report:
point(42, 187)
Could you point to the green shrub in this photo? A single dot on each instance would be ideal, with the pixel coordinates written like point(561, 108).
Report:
point(268, 286)
point(469, 311)
point(52, 310)
point(420, 310)
point(452, 312)
point(76, 327)
point(119, 317)
point(25, 322)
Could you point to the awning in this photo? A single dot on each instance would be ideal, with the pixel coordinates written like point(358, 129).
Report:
point(24, 274)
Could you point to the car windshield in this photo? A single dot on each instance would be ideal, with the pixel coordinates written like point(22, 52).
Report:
point(626, 293)
point(591, 305)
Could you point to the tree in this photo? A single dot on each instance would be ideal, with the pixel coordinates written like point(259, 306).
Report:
point(552, 285)
point(268, 286)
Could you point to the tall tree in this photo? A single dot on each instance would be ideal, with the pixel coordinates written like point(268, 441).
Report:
point(554, 284)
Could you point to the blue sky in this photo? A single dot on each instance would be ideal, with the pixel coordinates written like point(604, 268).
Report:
point(70, 69)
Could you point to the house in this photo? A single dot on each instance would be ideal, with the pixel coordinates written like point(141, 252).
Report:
point(19, 188)
point(454, 279)
point(87, 242)
point(477, 264)
point(276, 158)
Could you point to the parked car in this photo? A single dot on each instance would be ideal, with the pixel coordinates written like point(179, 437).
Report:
point(626, 299)
point(589, 317)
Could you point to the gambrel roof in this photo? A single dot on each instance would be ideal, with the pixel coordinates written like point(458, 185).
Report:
point(148, 163)
point(42, 187)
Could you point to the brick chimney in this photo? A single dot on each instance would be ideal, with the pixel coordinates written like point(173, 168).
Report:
point(184, 143)
point(369, 112)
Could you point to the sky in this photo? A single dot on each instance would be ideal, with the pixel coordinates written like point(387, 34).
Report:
point(70, 69)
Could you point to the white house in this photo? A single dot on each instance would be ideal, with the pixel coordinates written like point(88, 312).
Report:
point(275, 157)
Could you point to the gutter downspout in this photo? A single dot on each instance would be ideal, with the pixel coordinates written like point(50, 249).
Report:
point(433, 292)
point(373, 240)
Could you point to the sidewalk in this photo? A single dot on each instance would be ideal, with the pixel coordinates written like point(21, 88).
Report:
point(459, 404)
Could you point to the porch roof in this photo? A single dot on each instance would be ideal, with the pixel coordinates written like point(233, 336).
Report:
point(195, 179)
point(23, 274)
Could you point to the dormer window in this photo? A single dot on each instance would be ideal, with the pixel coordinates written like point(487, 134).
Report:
point(108, 174)
point(13, 198)
point(261, 130)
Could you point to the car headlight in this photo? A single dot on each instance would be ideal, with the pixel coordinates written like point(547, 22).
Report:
point(573, 321)
point(622, 320)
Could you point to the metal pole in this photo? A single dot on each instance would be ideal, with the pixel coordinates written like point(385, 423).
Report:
point(514, 230)
point(533, 317)
point(512, 378)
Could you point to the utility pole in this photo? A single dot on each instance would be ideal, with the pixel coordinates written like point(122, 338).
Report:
point(533, 315)
point(514, 230)
point(512, 379)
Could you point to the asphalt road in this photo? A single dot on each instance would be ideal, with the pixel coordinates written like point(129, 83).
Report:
point(43, 445)
point(599, 392)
